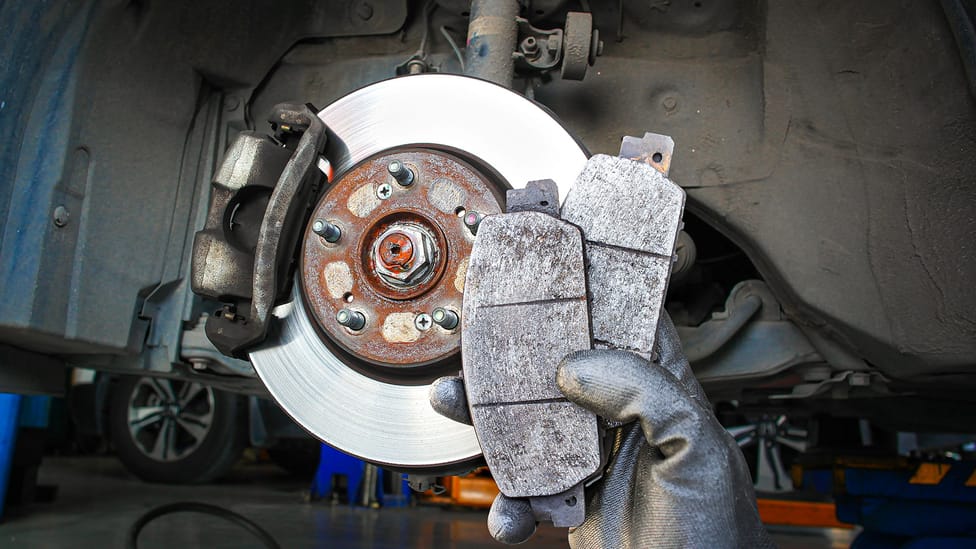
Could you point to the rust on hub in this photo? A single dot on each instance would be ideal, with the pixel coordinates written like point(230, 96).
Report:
point(399, 257)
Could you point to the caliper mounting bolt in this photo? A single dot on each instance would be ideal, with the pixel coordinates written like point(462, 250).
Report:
point(354, 320)
point(403, 175)
point(445, 318)
point(328, 231)
point(472, 220)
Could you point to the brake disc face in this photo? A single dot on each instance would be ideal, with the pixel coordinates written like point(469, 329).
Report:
point(402, 253)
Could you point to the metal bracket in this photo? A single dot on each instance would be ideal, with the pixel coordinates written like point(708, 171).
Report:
point(654, 149)
point(538, 49)
point(243, 243)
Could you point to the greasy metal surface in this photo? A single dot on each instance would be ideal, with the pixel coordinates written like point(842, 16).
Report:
point(524, 309)
point(630, 215)
point(345, 274)
point(380, 420)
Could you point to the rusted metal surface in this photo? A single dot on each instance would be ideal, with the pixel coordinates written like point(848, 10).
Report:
point(401, 255)
point(653, 149)
point(524, 309)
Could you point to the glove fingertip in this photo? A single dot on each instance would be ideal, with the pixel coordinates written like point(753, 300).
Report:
point(447, 398)
point(511, 521)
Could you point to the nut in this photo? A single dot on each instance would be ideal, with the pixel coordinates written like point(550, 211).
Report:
point(404, 254)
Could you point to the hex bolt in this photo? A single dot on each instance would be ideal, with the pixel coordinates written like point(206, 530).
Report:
point(354, 320)
point(530, 47)
point(445, 318)
point(423, 322)
point(403, 175)
point(472, 220)
point(328, 231)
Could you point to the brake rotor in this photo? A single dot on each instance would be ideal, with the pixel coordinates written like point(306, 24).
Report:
point(401, 254)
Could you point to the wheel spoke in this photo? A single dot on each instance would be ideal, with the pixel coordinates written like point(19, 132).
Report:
point(164, 388)
point(190, 392)
point(161, 444)
point(143, 416)
point(172, 452)
point(798, 444)
point(182, 393)
point(743, 434)
point(195, 429)
point(796, 432)
point(771, 476)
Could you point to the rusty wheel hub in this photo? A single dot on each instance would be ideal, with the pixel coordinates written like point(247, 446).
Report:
point(403, 252)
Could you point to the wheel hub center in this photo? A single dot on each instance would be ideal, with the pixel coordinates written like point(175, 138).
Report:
point(401, 253)
point(396, 251)
point(405, 254)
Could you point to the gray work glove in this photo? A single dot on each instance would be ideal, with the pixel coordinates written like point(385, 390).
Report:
point(674, 477)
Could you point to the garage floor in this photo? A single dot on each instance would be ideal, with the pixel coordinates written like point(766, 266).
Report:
point(97, 501)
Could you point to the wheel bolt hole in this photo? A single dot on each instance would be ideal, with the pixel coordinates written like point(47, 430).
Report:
point(459, 211)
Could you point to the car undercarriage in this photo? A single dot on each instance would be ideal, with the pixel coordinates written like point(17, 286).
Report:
point(826, 151)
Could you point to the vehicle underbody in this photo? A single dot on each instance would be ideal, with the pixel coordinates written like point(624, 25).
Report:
point(827, 153)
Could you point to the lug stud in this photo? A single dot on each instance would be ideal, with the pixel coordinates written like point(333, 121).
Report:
point(472, 220)
point(354, 320)
point(328, 231)
point(403, 175)
point(445, 318)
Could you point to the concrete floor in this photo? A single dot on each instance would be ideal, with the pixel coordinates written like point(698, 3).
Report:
point(97, 500)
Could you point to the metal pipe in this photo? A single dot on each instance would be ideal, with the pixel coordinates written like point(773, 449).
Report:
point(711, 336)
point(492, 34)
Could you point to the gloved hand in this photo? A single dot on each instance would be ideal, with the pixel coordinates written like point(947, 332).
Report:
point(674, 477)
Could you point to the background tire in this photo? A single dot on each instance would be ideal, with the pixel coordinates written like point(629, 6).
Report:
point(176, 431)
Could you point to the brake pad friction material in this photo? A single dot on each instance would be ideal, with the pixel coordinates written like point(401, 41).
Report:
point(630, 216)
point(524, 309)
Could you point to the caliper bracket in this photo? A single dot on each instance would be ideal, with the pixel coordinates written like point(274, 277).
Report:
point(259, 199)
